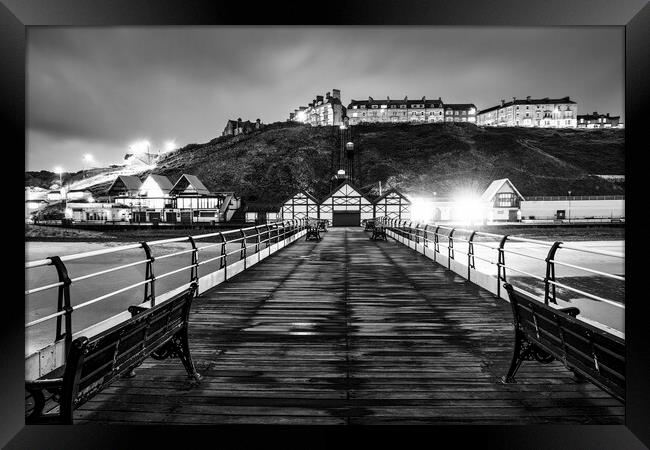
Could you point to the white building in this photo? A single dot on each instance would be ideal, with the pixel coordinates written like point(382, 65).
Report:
point(542, 113)
point(501, 201)
point(302, 205)
point(574, 208)
point(346, 206)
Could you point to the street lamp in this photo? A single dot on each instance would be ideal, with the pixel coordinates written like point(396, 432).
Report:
point(59, 170)
point(88, 158)
point(569, 207)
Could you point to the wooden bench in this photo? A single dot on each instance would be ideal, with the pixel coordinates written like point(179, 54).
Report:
point(93, 363)
point(378, 233)
point(322, 225)
point(312, 233)
point(545, 334)
point(370, 225)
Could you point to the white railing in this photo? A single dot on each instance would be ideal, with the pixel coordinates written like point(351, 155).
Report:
point(437, 242)
point(254, 244)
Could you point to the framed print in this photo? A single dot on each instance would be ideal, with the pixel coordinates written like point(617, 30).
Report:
point(377, 214)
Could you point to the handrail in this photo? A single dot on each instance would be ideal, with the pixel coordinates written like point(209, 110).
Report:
point(263, 235)
point(410, 231)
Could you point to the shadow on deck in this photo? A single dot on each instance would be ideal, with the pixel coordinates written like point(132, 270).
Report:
point(348, 330)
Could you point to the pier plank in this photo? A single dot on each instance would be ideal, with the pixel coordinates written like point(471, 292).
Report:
point(349, 330)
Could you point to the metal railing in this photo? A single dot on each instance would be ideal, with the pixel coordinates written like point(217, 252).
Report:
point(430, 235)
point(252, 240)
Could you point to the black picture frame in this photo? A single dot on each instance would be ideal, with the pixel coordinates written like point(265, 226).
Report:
point(634, 15)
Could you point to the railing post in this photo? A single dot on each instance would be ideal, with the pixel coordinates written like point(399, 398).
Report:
point(417, 233)
point(470, 254)
point(550, 274)
point(224, 254)
point(450, 247)
point(194, 271)
point(436, 241)
point(149, 288)
point(63, 303)
point(257, 239)
point(242, 251)
point(425, 235)
point(501, 264)
point(268, 235)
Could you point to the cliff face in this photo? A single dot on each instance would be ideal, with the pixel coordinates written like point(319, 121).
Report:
point(268, 166)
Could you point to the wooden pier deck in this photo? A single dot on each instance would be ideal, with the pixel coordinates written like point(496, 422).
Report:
point(350, 331)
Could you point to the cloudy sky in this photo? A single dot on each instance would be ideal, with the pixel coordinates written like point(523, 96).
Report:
point(97, 90)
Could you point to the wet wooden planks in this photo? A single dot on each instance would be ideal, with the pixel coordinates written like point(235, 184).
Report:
point(348, 330)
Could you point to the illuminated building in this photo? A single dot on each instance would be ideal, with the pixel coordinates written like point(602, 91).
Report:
point(540, 113)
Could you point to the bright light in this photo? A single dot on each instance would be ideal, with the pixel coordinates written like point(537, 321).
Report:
point(301, 116)
point(469, 209)
point(169, 146)
point(58, 170)
point(140, 147)
point(341, 172)
point(342, 127)
point(88, 157)
point(421, 210)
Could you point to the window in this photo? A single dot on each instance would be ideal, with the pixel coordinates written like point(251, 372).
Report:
point(506, 200)
point(402, 106)
point(374, 107)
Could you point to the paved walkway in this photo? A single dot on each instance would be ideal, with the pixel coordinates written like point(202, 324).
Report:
point(349, 330)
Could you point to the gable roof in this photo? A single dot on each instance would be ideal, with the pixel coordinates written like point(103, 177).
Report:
point(185, 180)
point(162, 181)
point(306, 194)
point(331, 194)
point(131, 183)
point(388, 192)
point(494, 187)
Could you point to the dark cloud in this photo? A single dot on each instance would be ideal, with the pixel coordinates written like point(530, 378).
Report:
point(102, 88)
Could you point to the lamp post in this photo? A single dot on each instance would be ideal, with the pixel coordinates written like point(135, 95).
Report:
point(88, 158)
point(59, 170)
point(569, 207)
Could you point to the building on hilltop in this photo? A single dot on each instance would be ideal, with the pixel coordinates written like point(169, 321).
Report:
point(596, 120)
point(460, 112)
point(235, 127)
point(542, 113)
point(409, 111)
point(321, 111)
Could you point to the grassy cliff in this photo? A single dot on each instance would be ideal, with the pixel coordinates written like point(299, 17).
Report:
point(268, 166)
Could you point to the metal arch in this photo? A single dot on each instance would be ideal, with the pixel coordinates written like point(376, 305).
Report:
point(194, 271)
point(501, 264)
point(149, 288)
point(63, 303)
point(450, 248)
point(550, 274)
point(470, 254)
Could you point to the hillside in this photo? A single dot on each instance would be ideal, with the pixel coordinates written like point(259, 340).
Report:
point(268, 166)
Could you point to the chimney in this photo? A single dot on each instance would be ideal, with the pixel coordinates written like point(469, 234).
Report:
point(388, 98)
point(327, 95)
point(595, 113)
point(528, 98)
point(258, 121)
point(336, 93)
point(319, 98)
point(607, 114)
point(423, 98)
point(406, 98)
point(370, 99)
point(514, 99)
point(503, 102)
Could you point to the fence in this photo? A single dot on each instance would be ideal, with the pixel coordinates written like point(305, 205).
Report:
point(252, 245)
point(429, 239)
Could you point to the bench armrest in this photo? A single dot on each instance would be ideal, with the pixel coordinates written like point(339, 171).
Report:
point(135, 310)
point(43, 383)
point(572, 311)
